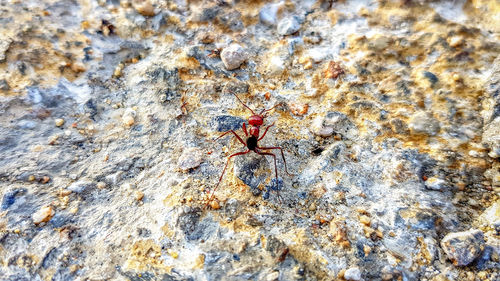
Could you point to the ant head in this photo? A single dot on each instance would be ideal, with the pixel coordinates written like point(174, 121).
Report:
point(256, 120)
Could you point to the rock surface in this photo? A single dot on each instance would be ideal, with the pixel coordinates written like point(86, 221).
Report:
point(386, 113)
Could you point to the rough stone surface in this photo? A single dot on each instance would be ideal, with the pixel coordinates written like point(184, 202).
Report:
point(386, 113)
point(491, 137)
point(80, 186)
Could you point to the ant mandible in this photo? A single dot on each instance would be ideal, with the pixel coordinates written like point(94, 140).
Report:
point(255, 121)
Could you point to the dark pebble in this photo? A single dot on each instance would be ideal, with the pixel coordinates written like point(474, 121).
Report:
point(210, 13)
point(232, 20)
point(188, 222)
point(10, 197)
point(247, 165)
point(223, 123)
point(235, 87)
point(4, 86)
point(431, 77)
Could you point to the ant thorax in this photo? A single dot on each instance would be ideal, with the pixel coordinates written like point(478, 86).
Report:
point(256, 120)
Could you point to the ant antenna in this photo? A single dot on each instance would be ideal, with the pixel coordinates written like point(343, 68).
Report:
point(266, 110)
point(243, 103)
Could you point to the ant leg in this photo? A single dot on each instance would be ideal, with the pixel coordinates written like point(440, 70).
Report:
point(183, 106)
point(265, 132)
point(235, 134)
point(282, 155)
point(223, 171)
point(275, 170)
point(245, 128)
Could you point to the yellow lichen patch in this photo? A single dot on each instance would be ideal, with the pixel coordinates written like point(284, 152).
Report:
point(146, 255)
point(437, 76)
point(173, 199)
point(169, 232)
point(423, 257)
point(42, 62)
point(485, 13)
point(199, 262)
point(304, 253)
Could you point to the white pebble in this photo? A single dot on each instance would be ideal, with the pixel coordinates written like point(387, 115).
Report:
point(43, 215)
point(268, 14)
point(318, 128)
point(288, 26)
point(276, 65)
point(190, 159)
point(59, 122)
point(128, 117)
point(434, 183)
point(352, 273)
point(233, 56)
point(79, 186)
point(424, 123)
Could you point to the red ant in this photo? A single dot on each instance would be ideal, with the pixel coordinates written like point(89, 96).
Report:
point(255, 121)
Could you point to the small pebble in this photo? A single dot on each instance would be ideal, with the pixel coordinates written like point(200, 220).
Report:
point(139, 195)
point(434, 183)
point(306, 61)
point(269, 13)
point(53, 139)
point(288, 26)
point(367, 249)
point(79, 186)
point(214, 204)
point(45, 179)
point(424, 123)
point(318, 129)
point(379, 43)
point(118, 70)
point(352, 273)
point(462, 248)
point(101, 185)
point(145, 8)
point(276, 65)
point(128, 117)
point(332, 70)
point(78, 67)
point(365, 220)
point(297, 108)
point(312, 207)
point(455, 41)
point(233, 56)
point(59, 122)
point(190, 159)
point(43, 215)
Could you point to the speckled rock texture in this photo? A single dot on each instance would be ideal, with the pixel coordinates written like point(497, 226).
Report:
point(386, 112)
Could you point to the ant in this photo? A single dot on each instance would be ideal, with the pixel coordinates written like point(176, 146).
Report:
point(255, 121)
